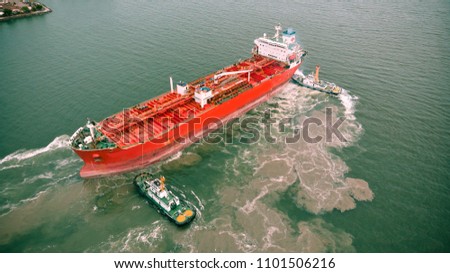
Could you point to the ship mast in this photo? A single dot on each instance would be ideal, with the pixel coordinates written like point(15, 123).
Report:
point(316, 75)
point(278, 28)
point(171, 85)
point(162, 179)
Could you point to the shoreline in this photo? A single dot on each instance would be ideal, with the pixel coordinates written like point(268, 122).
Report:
point(12, 17)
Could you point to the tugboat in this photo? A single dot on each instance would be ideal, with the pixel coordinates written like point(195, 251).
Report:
point(166, 202)
point(312, 81)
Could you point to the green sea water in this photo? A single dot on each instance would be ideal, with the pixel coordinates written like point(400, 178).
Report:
point(384, 190)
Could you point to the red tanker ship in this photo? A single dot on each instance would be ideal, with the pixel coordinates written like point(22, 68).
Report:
point(157, 128)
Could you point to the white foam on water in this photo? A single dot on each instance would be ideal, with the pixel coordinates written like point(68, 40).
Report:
point(268, 242)
point(197, 210)
point(35, 197)
point(30, 180)
point(16, 189)
point(55, 181)
point(321, 173)
point(251, 206)
point(281, 157)
point(349, 102)
point(199, 201)
point(66, 161)
point(10, 167)
point(8, 207)
point(135, 239)
point(174, 157)
point(233, 167)
point(271, 169)
point(140, 236)
point(12, 207)
point(5, 189)
point(155, 234)
point(58, 143)
point(242, 240)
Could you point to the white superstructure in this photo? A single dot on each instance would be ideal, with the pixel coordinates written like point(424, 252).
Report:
point(202, 95)
point(282, 47)
point(159, 193)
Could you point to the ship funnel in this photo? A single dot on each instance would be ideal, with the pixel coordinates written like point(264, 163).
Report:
point(316, 76)
point(171, 85)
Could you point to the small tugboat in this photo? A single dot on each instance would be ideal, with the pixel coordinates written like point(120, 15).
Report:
point(312, 81)
point(166, 202)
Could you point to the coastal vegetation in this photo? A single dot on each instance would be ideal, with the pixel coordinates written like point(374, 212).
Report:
point(10, 10)
point(7, 12)
point(25, 9)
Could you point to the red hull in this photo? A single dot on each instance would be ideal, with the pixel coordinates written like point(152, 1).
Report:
point(139, 155)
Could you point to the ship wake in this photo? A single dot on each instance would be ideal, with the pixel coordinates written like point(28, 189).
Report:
point(27, 175)
point(307, 175)
point(59, 142)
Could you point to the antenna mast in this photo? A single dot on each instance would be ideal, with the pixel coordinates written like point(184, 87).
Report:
point(278, 28)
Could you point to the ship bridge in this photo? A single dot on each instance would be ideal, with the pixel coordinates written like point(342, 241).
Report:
point(282, 47)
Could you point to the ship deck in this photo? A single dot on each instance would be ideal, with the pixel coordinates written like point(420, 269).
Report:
point(152, 118)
